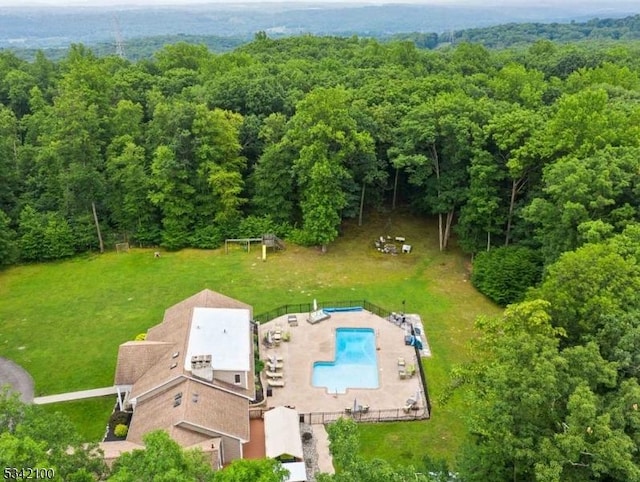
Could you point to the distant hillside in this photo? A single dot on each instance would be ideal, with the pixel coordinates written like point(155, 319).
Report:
point(498, 36)
point(627, 28)
point(143, 47)
point(48, 27)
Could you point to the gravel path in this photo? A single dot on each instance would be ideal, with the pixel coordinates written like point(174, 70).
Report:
point(310, 453)
point(17, 378)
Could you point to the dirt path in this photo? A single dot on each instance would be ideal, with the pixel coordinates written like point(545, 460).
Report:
point(17, 378)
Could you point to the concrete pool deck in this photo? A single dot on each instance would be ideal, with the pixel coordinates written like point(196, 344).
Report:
point(316, 342)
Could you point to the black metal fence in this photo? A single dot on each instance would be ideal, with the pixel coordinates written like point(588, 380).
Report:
point(370, 416)
point(376, 310)
point(308, 307)
point(425, 387)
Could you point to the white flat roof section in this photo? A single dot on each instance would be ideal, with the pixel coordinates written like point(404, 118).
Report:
point(222, 333)
point(297, 472)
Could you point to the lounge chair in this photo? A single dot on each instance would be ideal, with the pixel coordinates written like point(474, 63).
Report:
point(276, 383)
point(275, 358)
point(274, 366)
point(402, 373)
point(271, 374)
point(401, 362)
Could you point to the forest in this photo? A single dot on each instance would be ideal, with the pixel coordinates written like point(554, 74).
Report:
point(534, 148)
point(529, 159)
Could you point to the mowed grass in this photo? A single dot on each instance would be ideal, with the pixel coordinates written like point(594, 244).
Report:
point(64, 321)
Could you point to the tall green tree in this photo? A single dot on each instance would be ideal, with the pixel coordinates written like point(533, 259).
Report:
point(327, 149)
point(322, 202)
point(161, 460)
point(512, 137)
point(132, 212)
point(8, 244)
point(483, 214)
point(586, 199)
point(272, 179)
point(587, 286)
point(435, 146)
point(44, 236)
point(171, 191)
point(9, 160)
point(260, 470)
point(32, 437)
point(217, 151)
point(539, 411)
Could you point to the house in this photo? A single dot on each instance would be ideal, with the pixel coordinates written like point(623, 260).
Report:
point(193, 376)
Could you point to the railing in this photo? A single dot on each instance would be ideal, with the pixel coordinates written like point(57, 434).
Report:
point(423, 378)
point(376, 310)
point(308, 307)
point(370, 416)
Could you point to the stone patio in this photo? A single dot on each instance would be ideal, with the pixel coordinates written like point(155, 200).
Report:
point(316, 342)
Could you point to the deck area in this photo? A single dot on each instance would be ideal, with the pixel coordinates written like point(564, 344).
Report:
point(316, 342)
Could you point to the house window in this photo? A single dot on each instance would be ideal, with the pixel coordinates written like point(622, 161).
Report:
point(194, 398)
point(237, 378)
point(177, 400)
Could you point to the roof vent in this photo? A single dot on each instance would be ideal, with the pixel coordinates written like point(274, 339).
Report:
point(200, 361)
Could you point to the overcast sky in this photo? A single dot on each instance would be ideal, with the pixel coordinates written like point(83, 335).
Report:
point(551, 3)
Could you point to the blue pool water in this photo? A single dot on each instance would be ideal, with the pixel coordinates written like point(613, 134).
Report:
point(355, 364)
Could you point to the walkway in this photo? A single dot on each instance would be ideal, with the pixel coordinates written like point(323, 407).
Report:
point(66, 397)
point(255, 448)
point(325, 461)
point(17, 378)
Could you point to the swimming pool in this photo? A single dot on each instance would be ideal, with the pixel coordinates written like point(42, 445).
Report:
point(355, 364)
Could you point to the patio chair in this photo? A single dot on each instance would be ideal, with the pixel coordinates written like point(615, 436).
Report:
point(402, 373)
point(292, 320)
point(274, 366)
point(277, 335)
point(401, 362)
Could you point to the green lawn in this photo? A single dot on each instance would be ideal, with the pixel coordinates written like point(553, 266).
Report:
point(63, 321)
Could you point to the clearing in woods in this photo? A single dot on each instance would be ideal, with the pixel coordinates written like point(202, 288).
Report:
point(63, 321)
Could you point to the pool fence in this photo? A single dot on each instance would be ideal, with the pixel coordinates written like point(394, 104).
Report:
point(388, 415)
point(308, 308)
point(370, 416)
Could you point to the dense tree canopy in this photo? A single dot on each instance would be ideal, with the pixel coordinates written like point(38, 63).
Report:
point(528, 158)
point(503, 147)
point(31, 437)
point(554, 394)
